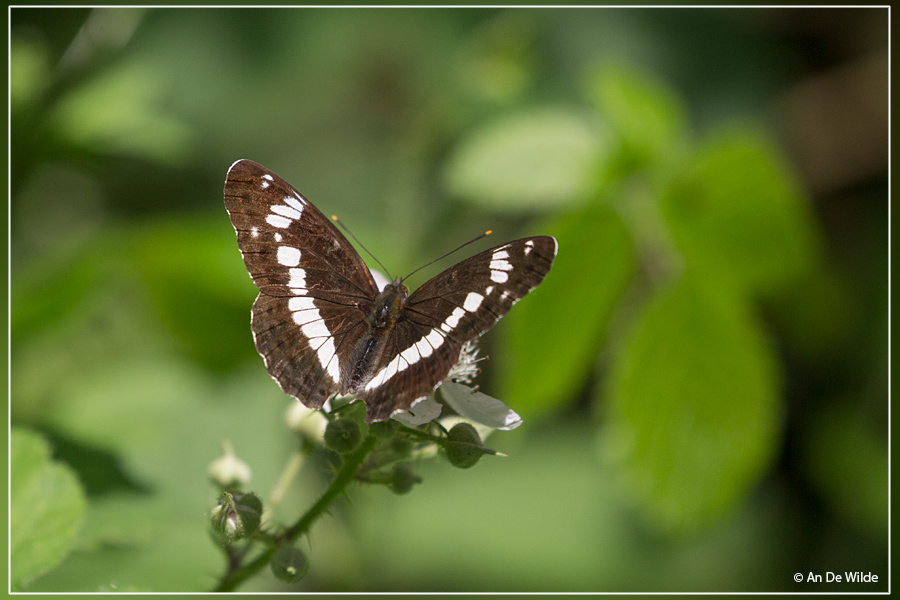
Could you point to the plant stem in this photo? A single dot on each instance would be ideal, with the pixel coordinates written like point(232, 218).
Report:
point(344, 476)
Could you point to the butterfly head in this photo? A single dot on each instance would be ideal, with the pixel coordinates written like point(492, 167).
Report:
point(388, 305)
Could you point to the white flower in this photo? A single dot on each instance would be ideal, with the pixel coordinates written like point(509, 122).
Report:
point(480, 408)
point(468, 403)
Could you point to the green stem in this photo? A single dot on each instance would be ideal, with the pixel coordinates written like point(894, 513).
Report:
point(421, 435)
point(345, 475)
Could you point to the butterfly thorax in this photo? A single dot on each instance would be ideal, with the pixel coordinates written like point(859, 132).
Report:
point(387, 306)
point(386, 311)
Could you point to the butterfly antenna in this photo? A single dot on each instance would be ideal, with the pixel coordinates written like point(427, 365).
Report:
point(485, 234)
point(350, 233)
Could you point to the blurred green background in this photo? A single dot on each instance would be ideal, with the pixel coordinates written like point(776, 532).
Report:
point(703, 374)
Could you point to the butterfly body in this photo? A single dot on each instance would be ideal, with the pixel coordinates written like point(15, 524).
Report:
point(322, 325)
point(386, 311)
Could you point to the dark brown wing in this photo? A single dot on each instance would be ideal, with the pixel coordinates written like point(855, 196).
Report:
point(315, 290)
point(452, 308)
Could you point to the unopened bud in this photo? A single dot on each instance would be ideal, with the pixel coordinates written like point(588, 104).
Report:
point(228, 471)
point(236, 516)
point(463, 446)
point(289, 564)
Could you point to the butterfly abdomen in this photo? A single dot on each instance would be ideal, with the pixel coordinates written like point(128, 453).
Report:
point(367, 354)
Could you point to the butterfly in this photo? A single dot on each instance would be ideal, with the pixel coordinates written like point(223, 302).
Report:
point(322, 325)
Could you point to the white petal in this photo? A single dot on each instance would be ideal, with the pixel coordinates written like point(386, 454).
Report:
point(421, 412)
point(479, 407)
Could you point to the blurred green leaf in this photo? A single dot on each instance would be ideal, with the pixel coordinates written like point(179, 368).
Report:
point(554, 333)
point(28, 70)
point(498, 63)
point(739, 215)
point(847, 460)
point(195, 277)
point(641, 112)
point(47, 508)
point(131, 122)
point(543, 158)
point(693, 414)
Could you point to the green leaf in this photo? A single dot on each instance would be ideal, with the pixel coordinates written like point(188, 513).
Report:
point(645, 115)
point(693, 415)
point(553, 334)
point(847, 460)
point(133, 122)
point(542, 158)
point(47, 508)
point(738, 214)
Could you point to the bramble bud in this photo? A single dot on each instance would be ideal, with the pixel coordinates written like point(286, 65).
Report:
point(401, 446)
point(384, 429)
point(289, 564)
point(463, 446)
point(236, 516)
point(228, 471)
point(403, 478)
point(343, 435)
point(306, 422)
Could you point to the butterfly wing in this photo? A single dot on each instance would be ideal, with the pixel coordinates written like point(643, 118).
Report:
point(457, 305)
point(315, 290)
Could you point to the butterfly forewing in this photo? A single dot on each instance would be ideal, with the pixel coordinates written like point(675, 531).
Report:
point(314, 321)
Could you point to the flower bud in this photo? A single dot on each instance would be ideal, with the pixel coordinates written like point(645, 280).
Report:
point(403, 478)
point(384, 429)
point(401, 446)
point(236, 516)
point(228, 471)
point(343, 435)
point(289, 564)
point(305, 421)
point(463, 446)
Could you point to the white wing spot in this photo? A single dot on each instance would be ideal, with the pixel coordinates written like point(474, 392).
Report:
point(386, 373)
point(499, 277)
point(264, 184)
point(427, 345)
point(307, 316)
point(528, 246)
point(453, 320)
point(277, 236)
point(285, 211)
point(269, 177)
point(303, 303)
point(254, 232)
point(326, 354)
point(288, 256)
point(421, 349)
point(488, 291)
point(473, 301)
point(501, 265)
point(316, 329)
point(276, 221)
point(295, 204)
point(434, 339)
point(304, 317)
point(298, 278)
point(411, 355)
point(504, 295)
point(500, 254)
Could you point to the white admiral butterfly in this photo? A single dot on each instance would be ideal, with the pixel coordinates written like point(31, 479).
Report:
point(323, 327)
